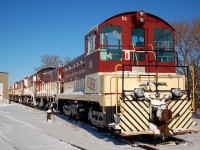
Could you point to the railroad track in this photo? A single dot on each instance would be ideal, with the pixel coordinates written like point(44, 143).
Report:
point(148, 143)
point(143, 141)
point(81, 148)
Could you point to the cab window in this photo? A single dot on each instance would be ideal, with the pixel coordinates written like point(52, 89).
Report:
point(165, 56)
point(111, 43)
point(138, 37)
point(91, 39)
point(163, 40)
point(138, 56)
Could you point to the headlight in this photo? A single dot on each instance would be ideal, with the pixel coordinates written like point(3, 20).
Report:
point(176, 92)
point(139, 92)
point(152, 86)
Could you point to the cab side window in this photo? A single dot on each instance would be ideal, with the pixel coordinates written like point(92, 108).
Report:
point(111, 43)
point(91, 43)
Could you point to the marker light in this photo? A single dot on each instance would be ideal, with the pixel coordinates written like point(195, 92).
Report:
point(176, 92)
point(139, 92)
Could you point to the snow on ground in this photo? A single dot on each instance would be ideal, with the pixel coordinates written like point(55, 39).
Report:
point(25, 128)
point(18, 130)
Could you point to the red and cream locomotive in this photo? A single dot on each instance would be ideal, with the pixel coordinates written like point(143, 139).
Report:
point(126, 79)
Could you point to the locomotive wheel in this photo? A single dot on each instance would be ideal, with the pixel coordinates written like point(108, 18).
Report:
point(60, 106)
point(77, 117)
point(90, 113)
point(66, 110)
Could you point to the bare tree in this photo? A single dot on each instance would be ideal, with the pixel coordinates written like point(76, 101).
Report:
point(188, 45)
point(49, 60)
point(66, 60)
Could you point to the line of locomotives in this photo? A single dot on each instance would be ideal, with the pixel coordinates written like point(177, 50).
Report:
point(128, 79)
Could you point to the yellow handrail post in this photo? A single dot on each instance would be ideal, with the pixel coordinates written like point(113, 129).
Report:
point(116, 87)
point(136, 57)
point(104, 103)
point(133, 46)
point(152, 48)
point(193, 90)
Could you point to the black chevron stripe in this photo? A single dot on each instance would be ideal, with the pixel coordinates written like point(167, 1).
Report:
point(181, 107)
point(134, 118)
point(181, 116)
point(131, 123)
point(142, 106)
point(145, 104)
point(140, 111)
point(122, 127)
point(169, 104)
point(125, 124)
point(186, 98)
point(187, 127)
point(185, 119)
point(137, 114)
point(175, 105)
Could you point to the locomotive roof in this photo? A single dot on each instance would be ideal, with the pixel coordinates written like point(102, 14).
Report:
point(81, 57)
point(133, 12)
point(52, 68)
point(126, 13)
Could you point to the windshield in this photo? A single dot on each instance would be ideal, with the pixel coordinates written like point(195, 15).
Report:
point(163, 40)
point(138, 37)
point(111, 43)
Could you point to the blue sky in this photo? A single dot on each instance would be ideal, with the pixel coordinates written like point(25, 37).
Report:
point(32, 28)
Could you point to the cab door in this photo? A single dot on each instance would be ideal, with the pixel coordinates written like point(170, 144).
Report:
point(138, 53)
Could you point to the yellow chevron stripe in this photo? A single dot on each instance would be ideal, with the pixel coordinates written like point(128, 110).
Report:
point(145, 106)
point(185, 115)
point(144, 121)
point(133, 126)
point(179, 121)
point(124, 125)
point(189, 124)
point(138, 120)
point(133, 116)
point(185, 124)
point(174, 105)
point(180, 108)
point(144, 112)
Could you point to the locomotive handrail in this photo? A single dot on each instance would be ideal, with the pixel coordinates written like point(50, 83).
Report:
point(152, 48)
point(193, 96)
point(136, 57)
point(116, 88)
point(104, 110)
point(107, 45)
point(155, 53)
point(188, 91)
point(134, 52)
point(132, 46)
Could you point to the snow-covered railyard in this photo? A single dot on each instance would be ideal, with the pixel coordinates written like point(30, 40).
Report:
point(25, 128)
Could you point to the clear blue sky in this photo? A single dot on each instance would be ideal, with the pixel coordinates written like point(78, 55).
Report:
point(31, 28)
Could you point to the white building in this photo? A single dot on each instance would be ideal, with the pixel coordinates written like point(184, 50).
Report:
point(3, 85)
